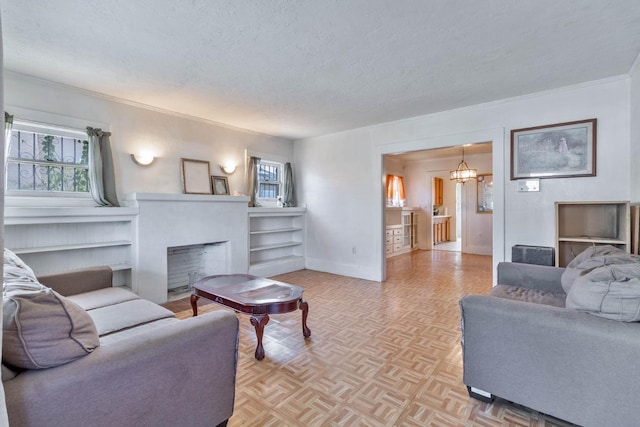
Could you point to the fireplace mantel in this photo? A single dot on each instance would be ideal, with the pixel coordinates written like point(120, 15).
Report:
point(169, 220)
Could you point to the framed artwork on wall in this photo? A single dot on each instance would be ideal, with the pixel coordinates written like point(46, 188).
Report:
point(220, 185)
point(562, 150)
point(195, 176)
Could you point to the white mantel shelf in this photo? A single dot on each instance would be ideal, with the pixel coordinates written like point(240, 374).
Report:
point(191, 198)
point(282, 211)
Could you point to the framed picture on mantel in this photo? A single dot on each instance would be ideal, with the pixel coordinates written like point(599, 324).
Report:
point(562, 150)
point(220, 185)
point(195, 176)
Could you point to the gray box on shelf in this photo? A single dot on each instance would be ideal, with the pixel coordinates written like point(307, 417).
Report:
point(539, 255)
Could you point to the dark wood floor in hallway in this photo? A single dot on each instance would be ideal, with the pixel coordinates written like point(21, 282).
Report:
point(380, 354)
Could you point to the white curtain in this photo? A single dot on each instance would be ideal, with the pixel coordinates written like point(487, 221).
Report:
point(101, 173)
point(252, 181)
point(287, 182)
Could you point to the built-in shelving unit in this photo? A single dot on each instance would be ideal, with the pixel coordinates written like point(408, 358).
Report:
point(276, 240)
point(55, 239)
point(583, 224)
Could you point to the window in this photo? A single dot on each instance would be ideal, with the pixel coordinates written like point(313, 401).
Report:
point(395, 191)
point(47, 160)
point(269, 180)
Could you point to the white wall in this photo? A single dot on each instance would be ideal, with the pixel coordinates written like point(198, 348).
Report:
point(336, 182)
point(393, 166)
point(353, 160)
point(635, 131)
point(133, 128)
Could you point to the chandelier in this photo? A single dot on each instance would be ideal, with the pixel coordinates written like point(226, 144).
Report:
point(463, 173)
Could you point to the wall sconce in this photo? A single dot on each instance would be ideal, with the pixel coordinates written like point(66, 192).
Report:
point(142, 159)
point(229, 168)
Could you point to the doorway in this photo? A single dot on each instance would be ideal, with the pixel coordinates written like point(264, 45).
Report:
point(455, 242)
point(446, 222)
point(494, 135)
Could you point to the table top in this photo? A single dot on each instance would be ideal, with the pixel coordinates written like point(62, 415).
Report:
point(248, 290)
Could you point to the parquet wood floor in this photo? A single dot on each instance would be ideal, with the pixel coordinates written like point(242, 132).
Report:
point(380, 354)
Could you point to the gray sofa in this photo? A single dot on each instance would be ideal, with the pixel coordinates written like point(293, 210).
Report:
point(521, 343)
point(149, 369)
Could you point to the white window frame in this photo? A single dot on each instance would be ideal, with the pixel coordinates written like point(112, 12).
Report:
point(272, 159)
point(44, 122)
point(280, 167)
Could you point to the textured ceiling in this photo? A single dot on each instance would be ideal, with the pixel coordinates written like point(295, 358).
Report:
point(305, 68)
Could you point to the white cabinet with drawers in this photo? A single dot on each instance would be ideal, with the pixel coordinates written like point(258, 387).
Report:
point(394, 238)
point(403, 237)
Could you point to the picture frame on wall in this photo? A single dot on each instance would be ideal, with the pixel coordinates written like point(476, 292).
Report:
point(220, 185)
point(195, 176)
point(562, 150)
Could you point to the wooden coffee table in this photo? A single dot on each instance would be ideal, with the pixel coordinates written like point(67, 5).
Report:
point(253, 295)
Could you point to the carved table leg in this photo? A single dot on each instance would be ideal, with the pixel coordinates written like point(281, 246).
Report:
point(194, 304)
point(305, 312)
point(259, 321)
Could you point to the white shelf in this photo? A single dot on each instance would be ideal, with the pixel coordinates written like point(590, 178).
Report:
point(598, 240)
point(58, 248)
point(121, 267)
point(274, 246)
point(276, 230)
point(279, 260)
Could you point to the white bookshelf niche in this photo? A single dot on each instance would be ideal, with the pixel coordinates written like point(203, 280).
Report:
point(276, 240)
point(56, 239)
point(583, 224)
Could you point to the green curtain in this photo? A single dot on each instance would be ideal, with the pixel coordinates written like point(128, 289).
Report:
point(101, 171)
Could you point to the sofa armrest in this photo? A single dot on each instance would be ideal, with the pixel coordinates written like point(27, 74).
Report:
point(181, 373)
point(79, 281)
point(565, 363)
point(531, 276)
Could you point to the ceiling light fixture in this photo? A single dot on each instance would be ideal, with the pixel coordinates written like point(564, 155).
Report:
point(463, 173)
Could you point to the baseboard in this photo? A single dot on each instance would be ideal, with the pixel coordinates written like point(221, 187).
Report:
point(350, 270)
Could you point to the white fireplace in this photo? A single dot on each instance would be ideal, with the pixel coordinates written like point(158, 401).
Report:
point(180, 220)
point(186, 264)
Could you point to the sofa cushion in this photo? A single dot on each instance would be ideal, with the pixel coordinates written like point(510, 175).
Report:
point(102, 297)
point(42, 329)
point(140, 330)
point(535, 296)
point(128, 314)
